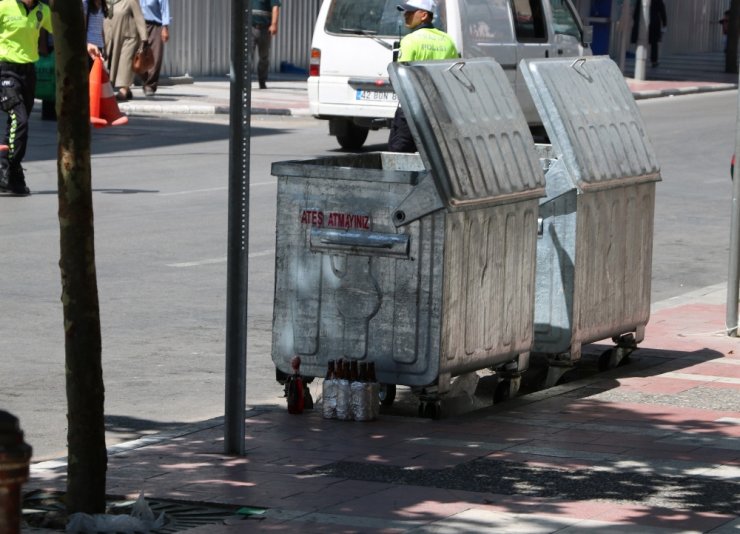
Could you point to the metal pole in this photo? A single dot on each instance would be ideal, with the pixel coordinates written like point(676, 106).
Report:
point(625, 26)
point(733, 277)
point(238, 233)
point(642, 41)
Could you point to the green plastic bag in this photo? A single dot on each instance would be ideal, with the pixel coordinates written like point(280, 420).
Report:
point(46, 82)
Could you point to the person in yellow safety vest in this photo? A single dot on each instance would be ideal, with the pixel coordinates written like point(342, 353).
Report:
point(20, 24)
point(424, 43)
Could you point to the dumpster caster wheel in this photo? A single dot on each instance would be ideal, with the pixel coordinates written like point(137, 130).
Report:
point(387, 394)
point(430, 409)
point(554, 374)
point(502, 392)
point(614, 357)
point(280, 377)
point(506, 389)
point(608, 360)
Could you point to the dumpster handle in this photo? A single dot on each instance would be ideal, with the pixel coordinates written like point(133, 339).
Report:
point(331, 239)
point(577, 61)
point(457, 71)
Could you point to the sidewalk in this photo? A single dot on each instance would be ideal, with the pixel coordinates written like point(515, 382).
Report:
point(287, 94)
point(652, 446)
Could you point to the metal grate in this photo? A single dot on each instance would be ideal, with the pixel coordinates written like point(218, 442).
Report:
point(45, 511)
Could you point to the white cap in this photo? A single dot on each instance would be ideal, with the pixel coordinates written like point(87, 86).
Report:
point(414, 5)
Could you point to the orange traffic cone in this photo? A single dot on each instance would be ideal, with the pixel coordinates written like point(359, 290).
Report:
point(103, 108)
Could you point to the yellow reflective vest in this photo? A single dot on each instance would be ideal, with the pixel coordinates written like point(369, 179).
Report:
point(427, 43)
point(19, 30)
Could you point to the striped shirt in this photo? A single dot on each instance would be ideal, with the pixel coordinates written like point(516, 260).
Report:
point(94, 26)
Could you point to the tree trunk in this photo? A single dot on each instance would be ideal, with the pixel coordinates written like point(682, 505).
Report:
point(732, 35)
point(87, 455)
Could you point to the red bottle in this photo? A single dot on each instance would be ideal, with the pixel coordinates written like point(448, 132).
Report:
point(294, 388)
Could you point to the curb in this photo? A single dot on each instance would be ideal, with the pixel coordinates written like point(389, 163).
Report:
point(205, 109)
point(657, 93)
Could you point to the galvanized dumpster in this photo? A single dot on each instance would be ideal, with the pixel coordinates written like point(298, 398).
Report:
point(424, 264)
point(594, 251)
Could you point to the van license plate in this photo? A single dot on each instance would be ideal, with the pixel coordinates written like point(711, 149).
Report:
point(377, 96)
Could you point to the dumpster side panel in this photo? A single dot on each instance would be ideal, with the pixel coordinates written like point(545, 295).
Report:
point(489, 286)
point(337, 298)
point(299, 334)
point(613, 261)
point(556, 256)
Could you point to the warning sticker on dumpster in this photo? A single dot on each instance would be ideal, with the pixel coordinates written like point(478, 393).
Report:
point(335, 219)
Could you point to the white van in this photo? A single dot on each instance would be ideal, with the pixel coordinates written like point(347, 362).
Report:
point(354, 41)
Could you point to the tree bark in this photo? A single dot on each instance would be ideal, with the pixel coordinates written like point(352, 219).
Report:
point(87, 455)
point(732, 35)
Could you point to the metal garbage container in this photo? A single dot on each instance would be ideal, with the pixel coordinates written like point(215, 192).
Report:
point(423, 263)
point(594, 251)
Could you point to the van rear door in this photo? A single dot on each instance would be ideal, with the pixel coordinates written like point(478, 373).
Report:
point(355, 46)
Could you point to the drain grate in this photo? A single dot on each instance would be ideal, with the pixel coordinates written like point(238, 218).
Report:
point(46, 510)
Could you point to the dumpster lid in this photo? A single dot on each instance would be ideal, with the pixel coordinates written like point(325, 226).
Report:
point(592, 120)
point(470, 131)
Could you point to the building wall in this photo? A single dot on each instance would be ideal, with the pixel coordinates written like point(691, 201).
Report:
point(200, 33)
point(692, 25)
point(200, 37)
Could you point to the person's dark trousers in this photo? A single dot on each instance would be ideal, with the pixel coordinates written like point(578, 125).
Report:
point(654, 53)
point(154, 35)
point(262, 37)
point(400, 138)
point(18, 84)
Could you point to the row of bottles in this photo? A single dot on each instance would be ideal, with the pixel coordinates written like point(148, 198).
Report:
point(350, 391)
point(351, 370)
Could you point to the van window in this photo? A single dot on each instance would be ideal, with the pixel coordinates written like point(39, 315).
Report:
point(564, 22)
point(485, 22)
point(529, 20)
point(372, 17)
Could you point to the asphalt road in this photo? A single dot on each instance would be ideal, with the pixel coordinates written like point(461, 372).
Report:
point(160, 192)
point(694, 137)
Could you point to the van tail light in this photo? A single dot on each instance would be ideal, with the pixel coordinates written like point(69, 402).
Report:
point(314, 64)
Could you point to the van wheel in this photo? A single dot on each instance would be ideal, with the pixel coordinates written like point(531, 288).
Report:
point(353, 137)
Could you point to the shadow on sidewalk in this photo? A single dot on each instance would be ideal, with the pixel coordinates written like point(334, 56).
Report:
point(657, 463)
point(474, 392)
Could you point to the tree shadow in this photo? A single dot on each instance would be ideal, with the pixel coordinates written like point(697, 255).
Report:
point(106, 191)
point(126, 424)
point(142, 132)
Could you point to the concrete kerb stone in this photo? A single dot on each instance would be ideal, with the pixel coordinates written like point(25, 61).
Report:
point(681, 91)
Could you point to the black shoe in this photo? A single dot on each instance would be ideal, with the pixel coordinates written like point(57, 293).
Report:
point(18, 189)
point(15, 182)
point(263, 85)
